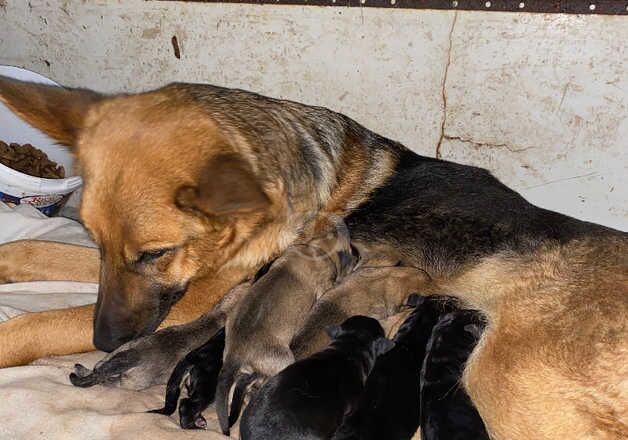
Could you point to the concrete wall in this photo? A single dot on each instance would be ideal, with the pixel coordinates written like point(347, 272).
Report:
point(540, 100)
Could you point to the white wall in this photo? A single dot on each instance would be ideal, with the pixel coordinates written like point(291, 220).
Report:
point(540, 100)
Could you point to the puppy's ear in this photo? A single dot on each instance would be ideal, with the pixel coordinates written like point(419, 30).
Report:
point(333, 331)
point(415, 300)
point(227, 186)
point(56, 111)
point(382, 345)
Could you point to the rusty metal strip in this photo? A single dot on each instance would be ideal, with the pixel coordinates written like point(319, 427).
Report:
point(589, 7)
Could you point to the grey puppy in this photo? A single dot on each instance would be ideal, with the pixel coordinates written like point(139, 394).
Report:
point(165, 348)
point(260, 329)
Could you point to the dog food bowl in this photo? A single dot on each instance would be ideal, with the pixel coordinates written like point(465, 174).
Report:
point(47, 195)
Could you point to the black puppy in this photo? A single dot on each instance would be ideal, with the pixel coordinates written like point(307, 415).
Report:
point(308, 399)
point(446, 409)
point(203, 364)
point(389, 407)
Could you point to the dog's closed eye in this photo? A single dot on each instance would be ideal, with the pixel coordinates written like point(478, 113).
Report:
point(152, 255)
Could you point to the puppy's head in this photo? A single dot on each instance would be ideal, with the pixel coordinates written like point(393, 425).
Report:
point(363, 327)
point(167, 197)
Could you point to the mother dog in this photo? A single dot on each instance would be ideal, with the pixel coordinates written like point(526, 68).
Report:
point(190, 188)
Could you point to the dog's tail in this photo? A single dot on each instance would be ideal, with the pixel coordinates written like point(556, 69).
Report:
point(173, 389)
point(226, 379)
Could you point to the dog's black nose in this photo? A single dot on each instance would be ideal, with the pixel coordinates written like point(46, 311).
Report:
point(106, 340)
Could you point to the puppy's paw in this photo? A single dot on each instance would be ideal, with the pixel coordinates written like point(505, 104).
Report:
point(240, 377)
point(190, 416)
point(143, 362)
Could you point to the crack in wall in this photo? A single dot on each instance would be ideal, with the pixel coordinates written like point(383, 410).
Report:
point(477, 144)
point(443, 135)
point(437, 153)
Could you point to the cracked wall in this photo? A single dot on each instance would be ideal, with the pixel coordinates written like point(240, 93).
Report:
point(540, 100)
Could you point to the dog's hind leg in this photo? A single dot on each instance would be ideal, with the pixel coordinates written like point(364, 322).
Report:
point(204, 364)
point(56, 332)
point(34, 260)
point(173, 388)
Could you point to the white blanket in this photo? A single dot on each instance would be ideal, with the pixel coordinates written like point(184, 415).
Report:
point(38, 401)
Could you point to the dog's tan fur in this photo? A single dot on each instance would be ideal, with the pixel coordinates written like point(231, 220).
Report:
point(552, 363)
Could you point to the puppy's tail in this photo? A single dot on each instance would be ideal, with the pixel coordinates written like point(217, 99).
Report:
point(173, 389)
point(226, 379)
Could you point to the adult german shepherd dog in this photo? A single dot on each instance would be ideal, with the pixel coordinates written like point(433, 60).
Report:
point(189, 189)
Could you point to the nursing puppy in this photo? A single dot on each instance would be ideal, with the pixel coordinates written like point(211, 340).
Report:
point(260, 329)
point(203, 364)
point(119, 366)
point(446, 409)
point(389, 407)
point(371, 291)
point(309, 398)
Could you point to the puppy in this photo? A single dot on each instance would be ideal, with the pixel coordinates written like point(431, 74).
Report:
point(166, 347)
point(446, 409)
point(308, 399)
point(389, 406)
point(370, 291)
point(267, 318)
point(203, 364)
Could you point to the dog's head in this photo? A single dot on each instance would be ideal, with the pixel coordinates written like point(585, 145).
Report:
point(167, 196)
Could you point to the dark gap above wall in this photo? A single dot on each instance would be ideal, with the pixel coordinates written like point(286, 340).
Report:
point(589, 7)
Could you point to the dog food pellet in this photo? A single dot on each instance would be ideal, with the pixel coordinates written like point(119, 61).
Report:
point(29, 160)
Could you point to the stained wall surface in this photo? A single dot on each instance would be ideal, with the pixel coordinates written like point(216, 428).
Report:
point(540, 100)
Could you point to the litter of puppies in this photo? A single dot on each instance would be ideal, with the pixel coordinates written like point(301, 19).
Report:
point(298, 384)
point(361, 386)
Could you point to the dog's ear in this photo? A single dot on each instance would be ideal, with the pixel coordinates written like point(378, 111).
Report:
point(227, 186)
point(56, 111)
point(382, 345)
point(333, 331)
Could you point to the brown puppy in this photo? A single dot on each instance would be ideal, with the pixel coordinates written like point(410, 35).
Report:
point(377, 292)
point(195, 187)
point(259, 331)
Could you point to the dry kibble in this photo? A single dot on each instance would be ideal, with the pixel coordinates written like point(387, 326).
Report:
point(30, 160)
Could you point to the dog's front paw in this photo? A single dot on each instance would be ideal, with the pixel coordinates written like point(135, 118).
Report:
point(146, 361)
